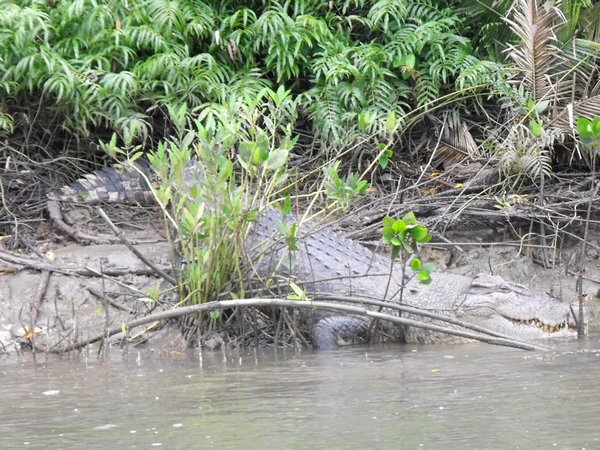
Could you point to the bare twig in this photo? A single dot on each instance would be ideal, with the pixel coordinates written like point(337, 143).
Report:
point(135, 251)
point(109, 300)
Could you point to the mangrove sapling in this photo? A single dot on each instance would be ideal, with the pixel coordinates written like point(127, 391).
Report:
point(404, 237)
point(342, 192)
point(239, 155)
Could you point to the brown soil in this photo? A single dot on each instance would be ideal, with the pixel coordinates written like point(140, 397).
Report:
point(58, 285)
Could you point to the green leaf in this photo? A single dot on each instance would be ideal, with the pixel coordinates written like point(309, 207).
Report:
point(287, 205)
point(282, 228)
point(291, 238)
point(276, 159)
point(299, 293)
point(391, 122)
point(396, 241)
point(415, 264)
point(410, 61)
point(399, 62)
point(362, 186)
point(530, 105)
point(585, 128)
point(418, 232)
point(596, 127)
point(215, 314)
point(424, 277)
point(410, 218)
point(388, 222)
point(535, 126)
point(384, 160)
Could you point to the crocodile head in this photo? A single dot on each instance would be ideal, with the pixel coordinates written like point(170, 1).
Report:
point(512, 309)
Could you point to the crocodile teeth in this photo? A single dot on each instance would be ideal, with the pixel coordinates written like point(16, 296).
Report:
point(542, 326)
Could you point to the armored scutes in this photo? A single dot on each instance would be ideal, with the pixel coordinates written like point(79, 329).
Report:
point(327, 262)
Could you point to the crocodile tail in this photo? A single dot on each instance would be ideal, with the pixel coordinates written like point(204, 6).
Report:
point(122, 183)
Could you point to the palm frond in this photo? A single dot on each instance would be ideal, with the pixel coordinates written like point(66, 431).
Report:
point(567, 118)
point(537, 53)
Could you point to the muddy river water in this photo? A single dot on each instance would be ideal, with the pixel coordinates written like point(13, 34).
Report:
point(463, 396)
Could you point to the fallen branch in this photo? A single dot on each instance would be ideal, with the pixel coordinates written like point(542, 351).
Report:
point(328, 306)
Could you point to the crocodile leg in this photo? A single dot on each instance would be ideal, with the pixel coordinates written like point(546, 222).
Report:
point(332, 331)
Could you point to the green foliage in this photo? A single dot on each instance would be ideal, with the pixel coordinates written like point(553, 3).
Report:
point(404, 237)
point(212, 206)
point(132, 65)
point(553, 80)
point(342, 192)
point(589, 131)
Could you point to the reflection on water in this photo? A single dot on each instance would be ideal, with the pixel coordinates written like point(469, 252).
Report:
point(464, 396)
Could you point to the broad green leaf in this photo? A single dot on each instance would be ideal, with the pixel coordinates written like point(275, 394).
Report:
point(384, 161)
point(535, 126)
point(276, 159)
point(415, 264)
point(282, 228)
point(419, 233)
point(584, 126)
point(410, 218)
point(424, 277)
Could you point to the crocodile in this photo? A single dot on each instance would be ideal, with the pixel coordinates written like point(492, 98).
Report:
point(328, 262)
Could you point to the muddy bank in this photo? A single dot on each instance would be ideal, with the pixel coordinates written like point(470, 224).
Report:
point(75, 292)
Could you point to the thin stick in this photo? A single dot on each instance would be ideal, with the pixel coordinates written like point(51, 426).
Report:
point(328, 306)
point(135, 251)
point(109, 300)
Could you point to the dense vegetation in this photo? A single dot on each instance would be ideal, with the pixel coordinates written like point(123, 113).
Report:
point(237, 83)
point(147, 67)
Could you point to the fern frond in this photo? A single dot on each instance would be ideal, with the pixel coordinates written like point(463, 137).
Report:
point(144, 37)
point(387, 13)
point(168, 15)
point(123, 83)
